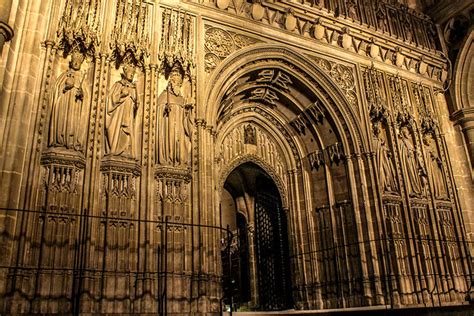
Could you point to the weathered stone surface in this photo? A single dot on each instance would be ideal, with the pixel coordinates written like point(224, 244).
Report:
point(156, 154)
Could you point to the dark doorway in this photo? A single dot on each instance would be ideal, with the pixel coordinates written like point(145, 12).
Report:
point(256, 266)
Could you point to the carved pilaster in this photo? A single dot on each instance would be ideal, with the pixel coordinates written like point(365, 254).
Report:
point(172, 209)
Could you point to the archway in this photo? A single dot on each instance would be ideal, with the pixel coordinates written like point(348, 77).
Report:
point(272, 106)
point(257, 265)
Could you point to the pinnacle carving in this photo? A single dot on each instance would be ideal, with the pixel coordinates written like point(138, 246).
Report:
point(79, 26)
point(130, 39)
point(177, 41)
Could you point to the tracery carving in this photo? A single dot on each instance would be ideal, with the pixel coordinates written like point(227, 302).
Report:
point(234, 145)
point(343, 77)
point(130, 39)
point(177, 41)
point(274, 121)
point(79, 26)
point(299, 18)
point(220, 43)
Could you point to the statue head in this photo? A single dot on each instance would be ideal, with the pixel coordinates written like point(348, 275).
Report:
point(175, 80)
point(406, 131)
point(128, 71)
point(376, 128)
point(128, 67)
point(427, 139)
point(77, 58)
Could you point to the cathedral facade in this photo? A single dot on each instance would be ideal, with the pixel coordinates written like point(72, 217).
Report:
point(188, 157)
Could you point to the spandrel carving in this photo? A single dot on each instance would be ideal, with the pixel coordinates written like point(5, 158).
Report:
point(69, 99)
point(174, 123)
point(122, 106)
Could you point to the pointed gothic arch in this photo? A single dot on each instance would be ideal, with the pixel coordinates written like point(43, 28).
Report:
point(301, 67)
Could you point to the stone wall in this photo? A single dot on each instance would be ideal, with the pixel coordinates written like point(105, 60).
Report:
point(121, 120)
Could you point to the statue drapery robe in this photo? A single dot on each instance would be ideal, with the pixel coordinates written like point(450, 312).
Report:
point(68, 100)
point(411, 167)
point(436, 174)
point(122, 107)
point(173, 130)
point(385, 167)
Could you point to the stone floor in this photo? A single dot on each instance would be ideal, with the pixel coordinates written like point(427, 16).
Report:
point(463, 310)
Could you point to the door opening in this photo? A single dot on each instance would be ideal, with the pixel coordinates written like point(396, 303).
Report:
point(256, 266)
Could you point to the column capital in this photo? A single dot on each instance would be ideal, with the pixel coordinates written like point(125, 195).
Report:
point(6, 31)
point(464, 117)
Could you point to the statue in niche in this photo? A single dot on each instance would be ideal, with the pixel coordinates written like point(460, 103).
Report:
point(411, 165)
point(434, 168)
point(352, 10)
point(68, 102)
point(407, 26)
point(250, 136)
point(121, 110)
point(385, 166)
point(174, 123)
point(381, 16)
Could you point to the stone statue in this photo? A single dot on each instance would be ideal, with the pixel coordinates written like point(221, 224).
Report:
point(411, 164)
point(68, 102)
point(434, 168)
point(385, 167)
point(381, 17)
point(250, 136)
point(174, 124)
point(352, 10)
point(121, 110)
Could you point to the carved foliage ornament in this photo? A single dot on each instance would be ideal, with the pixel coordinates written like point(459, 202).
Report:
point(130, 37)
point(404, 25)
point(220, 43)
point(177, 41)
point(79, 26)
point(343, 76)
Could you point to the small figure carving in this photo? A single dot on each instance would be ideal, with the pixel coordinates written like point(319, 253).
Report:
point(352, 10)
point(385, 167)
point(67, 107)
point(434, 168)
point(381, 17)
point(121, 111)
point(173, 123)
point(250, 135)
point(411, 164)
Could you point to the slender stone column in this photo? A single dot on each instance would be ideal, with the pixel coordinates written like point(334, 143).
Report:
point(465, 118)
point(253, 264)
point(6, 31)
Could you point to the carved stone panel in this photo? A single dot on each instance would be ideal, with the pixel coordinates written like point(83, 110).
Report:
point(220, 43)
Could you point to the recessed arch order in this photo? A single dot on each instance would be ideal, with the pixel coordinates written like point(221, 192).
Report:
point(259, 56)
